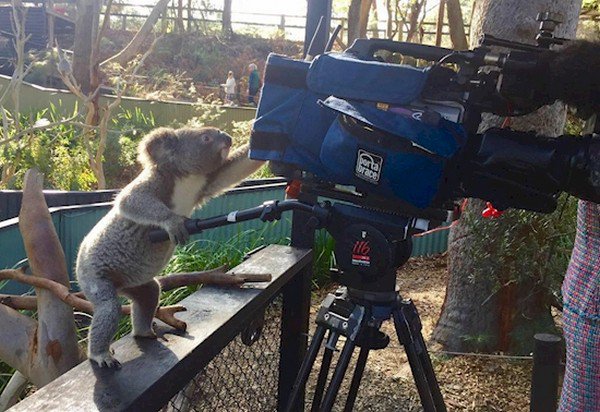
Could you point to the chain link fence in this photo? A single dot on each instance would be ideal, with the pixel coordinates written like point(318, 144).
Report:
point(244, 375)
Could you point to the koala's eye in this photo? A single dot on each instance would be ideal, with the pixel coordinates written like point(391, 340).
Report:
point(206, 138)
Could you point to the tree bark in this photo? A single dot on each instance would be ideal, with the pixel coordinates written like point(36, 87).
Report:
point(57, 350)
point(179, 23)
point(389, 32)
point(413, 19)
point(375, 23)
point(456, 24)
point(17, 338)
point(363, 20)
point(226, 27)
point(88, 13)
point(134, 46)
point(354, 21)
point(485, 310)
point(439, 29)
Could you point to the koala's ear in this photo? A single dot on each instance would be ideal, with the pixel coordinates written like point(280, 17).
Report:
point(158, 147)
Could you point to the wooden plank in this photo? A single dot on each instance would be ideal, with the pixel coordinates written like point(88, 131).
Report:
point(154, 370)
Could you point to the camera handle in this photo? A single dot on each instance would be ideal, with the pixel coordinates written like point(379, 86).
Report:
point(364, 49)
point(267, 212)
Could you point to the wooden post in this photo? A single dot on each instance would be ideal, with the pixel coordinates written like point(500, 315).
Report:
point(296, 312)
point(50, 6)
point(440, 23)
point(544, 377)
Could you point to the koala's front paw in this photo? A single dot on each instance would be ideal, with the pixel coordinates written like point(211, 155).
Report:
point(175, 227)
point(105, 360)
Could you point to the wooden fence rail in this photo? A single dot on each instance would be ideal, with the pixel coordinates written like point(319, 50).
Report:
point(280, 22)
point(154, 371)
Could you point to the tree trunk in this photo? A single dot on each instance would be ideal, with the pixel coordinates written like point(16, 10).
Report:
point(134, 46)
point(179, 22)
point(389, 32)
point(413, 19)
point(439, 29)
point(88, 13)
point(363, 20)
point(56, 349)
point(457, 25)
point(353, 21)
point(227, 29)
point(485, 306)
point(375, 23)
point(17, 335)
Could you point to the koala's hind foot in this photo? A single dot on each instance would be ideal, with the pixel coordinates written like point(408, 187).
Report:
point(105, 360)
point(107, 311)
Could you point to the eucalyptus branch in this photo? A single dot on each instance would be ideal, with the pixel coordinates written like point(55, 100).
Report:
point(146, 54)
point(34, 128)
point(13, 390)
point(19, 73)
point(164, 313)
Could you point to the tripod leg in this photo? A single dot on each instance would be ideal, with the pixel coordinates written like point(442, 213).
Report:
point(408, 330)
point(322, 380)
point(438, 399)
point(306, 366)
point(359, 371)
point(338, 376)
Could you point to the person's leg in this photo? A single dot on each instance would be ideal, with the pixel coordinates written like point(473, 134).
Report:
point(252, 96)
point(581, 385)
point(581, 315)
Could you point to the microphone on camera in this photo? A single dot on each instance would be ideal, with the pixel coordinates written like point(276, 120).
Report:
point(572, 75)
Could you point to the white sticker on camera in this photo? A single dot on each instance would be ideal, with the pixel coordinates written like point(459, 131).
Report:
point(368, 166)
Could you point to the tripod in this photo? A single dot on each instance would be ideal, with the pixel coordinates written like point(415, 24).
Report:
point(357, 315)
point(370, 246)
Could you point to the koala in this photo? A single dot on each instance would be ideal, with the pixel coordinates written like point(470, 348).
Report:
point(182, 169)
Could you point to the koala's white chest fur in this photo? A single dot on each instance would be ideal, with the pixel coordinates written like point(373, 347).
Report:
point(185, 194)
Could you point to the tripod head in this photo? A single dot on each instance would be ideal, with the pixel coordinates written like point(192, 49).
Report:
point(369, 249)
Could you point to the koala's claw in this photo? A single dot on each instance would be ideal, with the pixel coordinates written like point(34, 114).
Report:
point(105, 360)
point(178, 233)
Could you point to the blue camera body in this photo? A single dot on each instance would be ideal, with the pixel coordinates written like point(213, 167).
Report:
point(356, 123)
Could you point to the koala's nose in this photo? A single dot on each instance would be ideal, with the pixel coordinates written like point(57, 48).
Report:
point(226, 139)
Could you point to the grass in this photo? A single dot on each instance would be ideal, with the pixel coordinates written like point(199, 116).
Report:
point(323, 250)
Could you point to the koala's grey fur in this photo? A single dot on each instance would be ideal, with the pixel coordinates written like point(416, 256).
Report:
point(181, 169)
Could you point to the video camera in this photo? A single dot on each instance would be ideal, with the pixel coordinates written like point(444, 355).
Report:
point(393, 146)
point(404, 139)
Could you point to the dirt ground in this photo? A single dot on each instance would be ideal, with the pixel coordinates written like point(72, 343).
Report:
point(468, 383)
